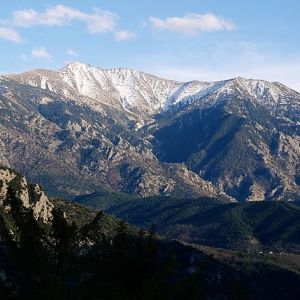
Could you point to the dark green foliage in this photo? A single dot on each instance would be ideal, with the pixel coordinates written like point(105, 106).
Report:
point(190, 134)
point(25, 241)
point(50, 181)
point(104, 198)
point(92, 262)
point(101, 257)
point(33, 195)
point(247, 226)
point(15, 183)
point(77, 213)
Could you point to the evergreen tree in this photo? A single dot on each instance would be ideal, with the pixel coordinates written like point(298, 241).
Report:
point(63, 238)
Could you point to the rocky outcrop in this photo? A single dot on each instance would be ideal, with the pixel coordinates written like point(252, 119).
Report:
point(42, 207)
point(31, 195)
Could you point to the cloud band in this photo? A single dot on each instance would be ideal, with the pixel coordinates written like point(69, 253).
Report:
point(192, 23)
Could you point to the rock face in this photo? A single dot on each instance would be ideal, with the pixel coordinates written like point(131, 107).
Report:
point(74, 129)
point(31, 195)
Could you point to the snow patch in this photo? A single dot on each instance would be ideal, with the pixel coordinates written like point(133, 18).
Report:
point(146, 95)
point(46, 100)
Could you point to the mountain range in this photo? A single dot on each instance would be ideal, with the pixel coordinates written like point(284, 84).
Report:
point(82, 128)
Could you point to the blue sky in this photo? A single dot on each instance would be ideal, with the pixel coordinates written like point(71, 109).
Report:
point(184, 40)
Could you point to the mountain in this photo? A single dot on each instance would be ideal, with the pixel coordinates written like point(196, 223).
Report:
point(148, 95)
point(236, 139)
point(141, 94)
point(71, 146)
point(243, 138)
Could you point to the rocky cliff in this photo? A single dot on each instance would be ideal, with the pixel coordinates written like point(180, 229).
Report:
point(31, 195)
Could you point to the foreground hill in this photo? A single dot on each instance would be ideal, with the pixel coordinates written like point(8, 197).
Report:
point(72, 252)
point(74, 128)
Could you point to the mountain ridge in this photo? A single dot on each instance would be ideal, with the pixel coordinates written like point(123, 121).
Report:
point(158, 95)
point(145, 135)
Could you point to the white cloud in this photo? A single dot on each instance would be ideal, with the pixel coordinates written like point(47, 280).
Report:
point(10, 34)
point(40, 52)
point(192, 23)
point(101, 22)
point(23, 56)
point(124, 35)
point(98, 22)
point(71, 52)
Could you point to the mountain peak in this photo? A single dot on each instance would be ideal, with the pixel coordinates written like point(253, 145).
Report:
point(144, 95)
point(75, 64)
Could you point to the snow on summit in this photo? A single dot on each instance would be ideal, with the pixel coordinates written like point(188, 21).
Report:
point(147, 95)
point(134, 88)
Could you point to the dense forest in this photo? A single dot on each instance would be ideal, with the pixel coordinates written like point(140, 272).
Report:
point(104, 259)
point(86, 254)
point(249, 226)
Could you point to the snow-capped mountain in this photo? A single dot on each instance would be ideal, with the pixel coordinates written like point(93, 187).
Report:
point(145, 94)
point(145, 135)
